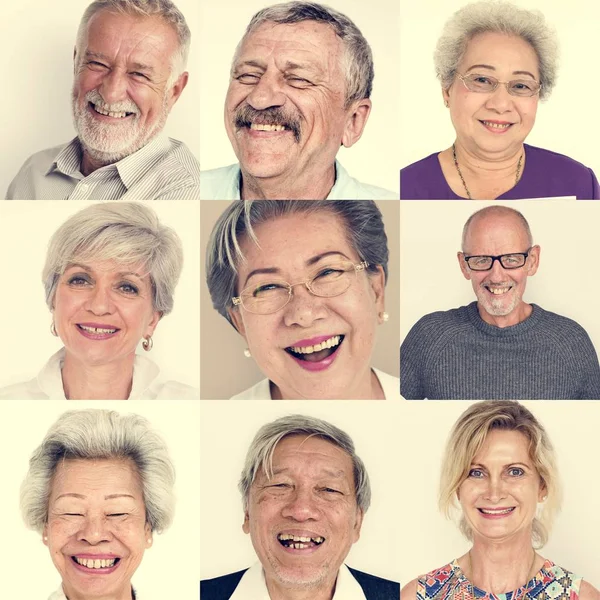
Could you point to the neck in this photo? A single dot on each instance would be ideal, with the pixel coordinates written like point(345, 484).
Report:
point(501, 567)
point(311, 184)
point(368, 388)
point(487, 165)
point(110, 381)
point(521, 312)
point(126, 593)
point(324, 591)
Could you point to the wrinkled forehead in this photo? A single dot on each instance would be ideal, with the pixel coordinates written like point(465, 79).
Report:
point(310, 44)
point(107, 267)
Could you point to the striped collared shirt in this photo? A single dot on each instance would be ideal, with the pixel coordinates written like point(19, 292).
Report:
point(164, 169)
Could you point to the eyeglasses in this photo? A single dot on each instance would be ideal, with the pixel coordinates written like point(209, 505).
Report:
point(269, 296)
point(508, 261)
point(485, 84)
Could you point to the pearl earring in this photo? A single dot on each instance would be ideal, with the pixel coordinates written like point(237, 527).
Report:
point(384, 317)
point(247, 353)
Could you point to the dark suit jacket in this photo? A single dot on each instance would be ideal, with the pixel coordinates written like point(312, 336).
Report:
point(374, 588)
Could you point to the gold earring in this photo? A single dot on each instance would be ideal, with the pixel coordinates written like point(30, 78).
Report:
point(147, 343)
point(53, 330)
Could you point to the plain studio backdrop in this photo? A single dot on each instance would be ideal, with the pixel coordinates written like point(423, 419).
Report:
point(374, 158)
point(566, 282)
point(565, 123)
point(169, 568)
point(36, 50)
point(430, 541)
point(225, 369)
point(27, 343)
point(226, 432)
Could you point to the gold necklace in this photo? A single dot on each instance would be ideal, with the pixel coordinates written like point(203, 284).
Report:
point(470, 591)
point(519, 164)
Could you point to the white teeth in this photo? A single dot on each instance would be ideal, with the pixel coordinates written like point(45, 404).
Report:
point(96, 563)
point(498, 291)
point(104, 111)
point(97, 329)
point(499, 511)
point(330, 343)
point(263, 127)
point(496, 125)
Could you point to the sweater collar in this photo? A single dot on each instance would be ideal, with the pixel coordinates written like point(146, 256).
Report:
point(504, 332)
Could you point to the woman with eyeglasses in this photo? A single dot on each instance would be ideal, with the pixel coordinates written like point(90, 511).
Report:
point(303, 282)
point(495, 61)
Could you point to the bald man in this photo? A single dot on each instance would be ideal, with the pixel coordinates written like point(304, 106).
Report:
point(498, 347)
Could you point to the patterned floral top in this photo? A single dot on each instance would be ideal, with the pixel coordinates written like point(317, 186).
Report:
point(551, 582)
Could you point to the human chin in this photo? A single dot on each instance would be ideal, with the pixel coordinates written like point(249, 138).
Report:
point(498, 300)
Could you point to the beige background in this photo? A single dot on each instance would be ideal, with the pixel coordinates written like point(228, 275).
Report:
point(225, 371)
point(565, 283)
point(36, 47)
point(27, 343)
point(374, 159)
point(225, 439)
point(429, 541)
point(169, 569)
point(566, 123)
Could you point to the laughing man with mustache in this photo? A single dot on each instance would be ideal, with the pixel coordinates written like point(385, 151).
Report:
point(498, 347)
point(300, 84)
point(129, 70)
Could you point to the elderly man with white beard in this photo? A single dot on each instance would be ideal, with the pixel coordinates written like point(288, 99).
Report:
point(129, 70)
point(499, 347)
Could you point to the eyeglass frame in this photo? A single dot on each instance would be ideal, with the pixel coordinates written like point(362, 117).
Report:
point(237, 300)
point(498, 258)
point(504, 83)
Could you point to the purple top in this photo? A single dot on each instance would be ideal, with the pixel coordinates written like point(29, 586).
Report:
point(546, 175)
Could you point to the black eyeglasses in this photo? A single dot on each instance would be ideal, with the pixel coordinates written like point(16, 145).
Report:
point(515, 260)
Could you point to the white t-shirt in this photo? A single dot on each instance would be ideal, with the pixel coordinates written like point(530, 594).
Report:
point(262, 390)
point(48, 384)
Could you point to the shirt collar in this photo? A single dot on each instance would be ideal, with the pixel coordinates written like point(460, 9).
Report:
point(131, 169)
point(252, 586)
point(50, 382)
point(60, 595)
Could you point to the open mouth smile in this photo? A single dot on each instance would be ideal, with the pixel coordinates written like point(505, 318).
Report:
point(266, 127)
point(498, 290)
point(96, 332)
point(98, 109)
point(96, 565)
point(299, 542)
point(491, 513)
point(496, 126)
point(317, 356)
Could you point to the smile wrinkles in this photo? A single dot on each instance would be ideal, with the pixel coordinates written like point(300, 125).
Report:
point(273, 118)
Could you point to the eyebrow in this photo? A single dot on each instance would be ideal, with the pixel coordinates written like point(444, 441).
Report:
point(309, 262)
point(90, 270)
point(494, 68)
point(337, 473)
point(512, 464)
point(250, 63)
point(82, 497)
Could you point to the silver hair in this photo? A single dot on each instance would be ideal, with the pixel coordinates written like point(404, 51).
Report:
point(127, 232)
point(145, 8)
point(98, 434)
point(362, 219)
point(499, 17)
point(260, 453)
point(357, 60)
point(500, 211)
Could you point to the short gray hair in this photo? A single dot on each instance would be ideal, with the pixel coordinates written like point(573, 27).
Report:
point(498, 17)
point(358, 59)
point(164, 9)
point(364, 230)
point(500, 211)
point(127, 232)
point(260, 453)
point(97, 434)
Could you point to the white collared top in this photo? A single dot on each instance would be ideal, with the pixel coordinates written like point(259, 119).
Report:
point(252, 586)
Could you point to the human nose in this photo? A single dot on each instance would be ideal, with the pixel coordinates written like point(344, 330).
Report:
point(500, 100)
point(495, 490)
point(94, 530)
point(497, 271)
point(301, 505)
point(303, 308)
point(113, 87)
point(99, 301)
point(266, 93)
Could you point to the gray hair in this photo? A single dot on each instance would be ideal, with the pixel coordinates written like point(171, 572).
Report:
point(357, 61)
point(97, 434)
point(127, 232)
point(165, 9)
point(260, 453)
point(501, 211)
point(364, 230)
point(498, 17)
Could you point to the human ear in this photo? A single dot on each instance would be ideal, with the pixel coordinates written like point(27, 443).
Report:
point(45, 535)
point(156, 317)
point(238, 322)
point(377, 281)
point(358, 114)
point(464, 267)
point(177, 88)
point(446, 96)
point(358, 524)
point(148, 535)
point(246, 523)
point(533, 260)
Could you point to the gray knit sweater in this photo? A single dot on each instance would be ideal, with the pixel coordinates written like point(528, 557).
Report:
point(457, 355)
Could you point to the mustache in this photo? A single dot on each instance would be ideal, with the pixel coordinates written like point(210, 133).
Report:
point(128, 105)
point(274, 115)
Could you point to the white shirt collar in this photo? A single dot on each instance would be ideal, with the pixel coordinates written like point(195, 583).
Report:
point(60, 595)
point(252, 586)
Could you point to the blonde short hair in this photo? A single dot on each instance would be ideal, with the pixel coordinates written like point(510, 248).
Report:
point(468, 436)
